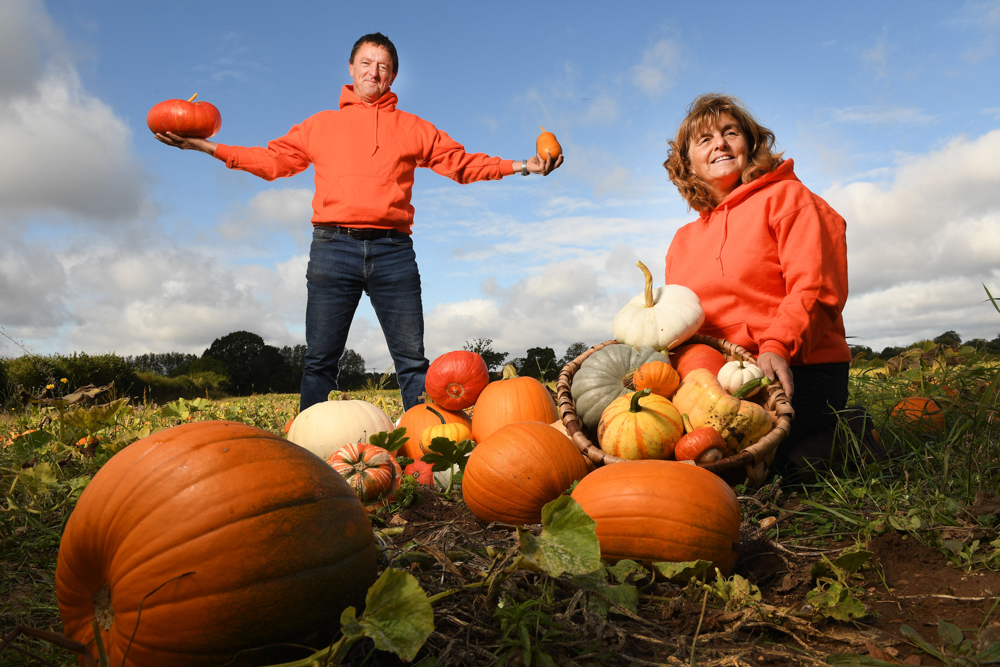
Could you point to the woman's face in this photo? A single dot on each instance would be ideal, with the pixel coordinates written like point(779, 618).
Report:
point(718, 155)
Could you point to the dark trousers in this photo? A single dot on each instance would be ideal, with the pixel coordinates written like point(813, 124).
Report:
point(820, 392)
point(340, 269)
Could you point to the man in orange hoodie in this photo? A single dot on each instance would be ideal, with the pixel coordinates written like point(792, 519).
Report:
point(364, 154)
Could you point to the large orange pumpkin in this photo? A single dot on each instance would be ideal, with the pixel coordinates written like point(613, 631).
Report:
point(421, 417)
point(661, 511)
point(513, 473)
point(509, 400)
point(920, 412)
point(229, 537)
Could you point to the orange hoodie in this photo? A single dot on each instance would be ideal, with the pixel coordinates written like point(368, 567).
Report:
point(769, 264)
point(364, 158)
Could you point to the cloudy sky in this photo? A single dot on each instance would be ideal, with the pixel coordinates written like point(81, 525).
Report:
point(110, 241)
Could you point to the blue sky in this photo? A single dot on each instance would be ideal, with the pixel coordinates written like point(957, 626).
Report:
point(110, 241)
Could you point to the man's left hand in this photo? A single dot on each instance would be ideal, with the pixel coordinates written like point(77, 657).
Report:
point(543, 166)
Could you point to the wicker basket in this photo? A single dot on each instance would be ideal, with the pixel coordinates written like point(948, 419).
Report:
point(750, 465)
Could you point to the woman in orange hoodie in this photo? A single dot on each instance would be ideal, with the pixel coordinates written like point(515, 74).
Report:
point(768, 259)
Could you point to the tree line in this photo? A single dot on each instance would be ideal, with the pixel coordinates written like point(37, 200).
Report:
point(241, 363)
point(948, 338)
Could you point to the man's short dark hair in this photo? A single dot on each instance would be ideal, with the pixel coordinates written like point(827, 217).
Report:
point(378, 39)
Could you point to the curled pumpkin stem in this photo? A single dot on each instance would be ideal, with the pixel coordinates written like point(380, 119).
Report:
point(748, 387)
point(634, 403)
point(648, 291)
point(436, 414)
point(191, 99)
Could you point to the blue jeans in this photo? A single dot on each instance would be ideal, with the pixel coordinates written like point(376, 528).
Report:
point(340, 268)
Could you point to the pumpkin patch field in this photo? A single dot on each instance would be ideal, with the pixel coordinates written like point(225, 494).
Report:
point(197, 533)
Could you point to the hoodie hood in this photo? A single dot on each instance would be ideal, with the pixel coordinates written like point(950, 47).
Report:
point(784, 172)
point(386, 103)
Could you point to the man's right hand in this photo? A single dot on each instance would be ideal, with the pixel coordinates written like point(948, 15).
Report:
point(538, 165)
point(187, 143)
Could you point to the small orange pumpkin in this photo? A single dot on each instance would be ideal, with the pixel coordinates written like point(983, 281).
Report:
point(701, 445)
point(547, 142)
point(657, 376)
point(920, 412)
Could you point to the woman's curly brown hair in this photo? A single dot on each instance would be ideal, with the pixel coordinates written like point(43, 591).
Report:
point(705, 111)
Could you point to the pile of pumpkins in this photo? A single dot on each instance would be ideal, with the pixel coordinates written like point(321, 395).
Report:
point(643, 405)
point(520, 461)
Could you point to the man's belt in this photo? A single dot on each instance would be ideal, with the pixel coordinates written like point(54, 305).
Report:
point(363, 234)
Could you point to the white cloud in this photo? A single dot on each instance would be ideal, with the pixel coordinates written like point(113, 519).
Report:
point(882, 116)
point(64, 150)
point(925, 241)
point(278, 209)
point(655, 74)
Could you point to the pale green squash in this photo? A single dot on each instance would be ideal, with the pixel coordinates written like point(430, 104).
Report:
point(600, 379)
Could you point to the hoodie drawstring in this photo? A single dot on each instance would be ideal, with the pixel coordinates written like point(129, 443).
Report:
point(725, 232)
point(375, 150)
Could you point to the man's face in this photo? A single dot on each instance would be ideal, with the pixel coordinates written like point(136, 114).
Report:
point(371, 72)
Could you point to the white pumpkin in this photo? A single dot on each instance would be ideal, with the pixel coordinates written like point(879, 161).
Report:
point(735, 374)
point(662, 318)
point(326, 427)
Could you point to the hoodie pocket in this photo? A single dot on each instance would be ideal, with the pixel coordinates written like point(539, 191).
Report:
point(738, 333)
point(369, 198)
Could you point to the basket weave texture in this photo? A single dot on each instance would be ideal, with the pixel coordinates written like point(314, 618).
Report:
point(750, 465)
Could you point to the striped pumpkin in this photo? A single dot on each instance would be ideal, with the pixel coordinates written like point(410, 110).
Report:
point(371, 471)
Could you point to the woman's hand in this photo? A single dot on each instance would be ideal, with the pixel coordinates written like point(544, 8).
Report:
point(775, 365)
point(187, 143)
point(539, 165)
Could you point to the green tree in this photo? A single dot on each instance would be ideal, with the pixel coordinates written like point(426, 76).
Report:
point(572, 352)
point(163, 363)
point(948, 338)
point(484, 348)
point(539, 363)
point(352, 371)
point(251, 364)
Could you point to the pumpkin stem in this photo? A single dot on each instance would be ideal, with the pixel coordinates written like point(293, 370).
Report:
point(191, 99)
point(634, 404)
point(436, 413)
point(509, 372)
point(103, 611)
point(543, 129)
point(648, 291)
point(749, 386)
point(688, 426)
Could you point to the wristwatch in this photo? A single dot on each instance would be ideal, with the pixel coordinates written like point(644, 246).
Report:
point(524, 167)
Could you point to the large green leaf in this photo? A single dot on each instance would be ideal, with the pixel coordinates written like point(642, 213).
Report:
point(398, 615)
point(568, 542)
